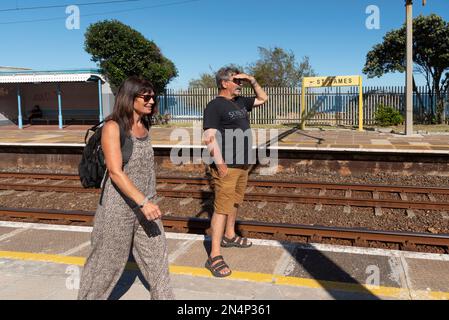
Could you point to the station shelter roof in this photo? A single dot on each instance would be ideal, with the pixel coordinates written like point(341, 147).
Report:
point(32, 76)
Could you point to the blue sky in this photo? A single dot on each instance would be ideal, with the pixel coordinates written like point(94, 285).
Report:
point(206, 34)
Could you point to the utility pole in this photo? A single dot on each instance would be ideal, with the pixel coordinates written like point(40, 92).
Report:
point(409, 72)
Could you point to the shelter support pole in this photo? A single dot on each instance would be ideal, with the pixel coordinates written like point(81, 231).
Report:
point(100, 100)
point(19, 108)
point(59, 107)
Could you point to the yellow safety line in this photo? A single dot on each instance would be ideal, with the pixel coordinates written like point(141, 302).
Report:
point(42, 257)
point(249, 276)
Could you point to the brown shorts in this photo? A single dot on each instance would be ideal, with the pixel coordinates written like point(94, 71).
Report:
point(229, 190)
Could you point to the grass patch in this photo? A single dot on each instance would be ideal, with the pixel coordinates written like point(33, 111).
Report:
point(431, 128)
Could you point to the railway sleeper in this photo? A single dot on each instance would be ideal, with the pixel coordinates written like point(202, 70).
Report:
point(361, 242)
point(179, 229)
point(408, 246)
point(280, 236)
point(316, 238)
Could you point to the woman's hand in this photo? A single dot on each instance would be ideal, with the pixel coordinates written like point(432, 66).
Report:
point(151, 211)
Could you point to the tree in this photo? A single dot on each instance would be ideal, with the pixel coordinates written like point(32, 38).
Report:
point(278, 68)
point(275, 68)
point(122, 52)
point(206, 80)
point(430, 55)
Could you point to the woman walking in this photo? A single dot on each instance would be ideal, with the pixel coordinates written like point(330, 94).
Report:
point(127, 217)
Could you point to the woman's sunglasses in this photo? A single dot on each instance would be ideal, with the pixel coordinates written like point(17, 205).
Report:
point(147, 97)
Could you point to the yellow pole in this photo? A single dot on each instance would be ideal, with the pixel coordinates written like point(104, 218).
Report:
point(360, 104)
point(303, 105)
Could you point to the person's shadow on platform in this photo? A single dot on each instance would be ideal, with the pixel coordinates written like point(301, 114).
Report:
point(331, 277)
point(127, 280)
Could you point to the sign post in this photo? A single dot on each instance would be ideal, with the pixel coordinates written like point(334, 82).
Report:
point(337, 81)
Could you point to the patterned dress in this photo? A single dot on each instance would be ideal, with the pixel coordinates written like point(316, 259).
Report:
point(118, 229)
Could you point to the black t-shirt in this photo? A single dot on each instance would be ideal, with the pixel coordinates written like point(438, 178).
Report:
point(231, 119)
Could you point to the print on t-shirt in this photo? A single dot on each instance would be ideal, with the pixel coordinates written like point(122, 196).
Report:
point(231, 119)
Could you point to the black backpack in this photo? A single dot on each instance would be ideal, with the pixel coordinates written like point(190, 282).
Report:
point(92, 167)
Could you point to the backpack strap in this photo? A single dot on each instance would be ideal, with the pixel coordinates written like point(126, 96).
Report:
point(127, 156)
point(94, 128)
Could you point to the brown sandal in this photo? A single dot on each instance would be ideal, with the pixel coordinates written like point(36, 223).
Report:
point(237, 241)
point(216, 268)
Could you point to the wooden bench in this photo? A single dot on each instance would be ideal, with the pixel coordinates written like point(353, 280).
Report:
point(72, 116)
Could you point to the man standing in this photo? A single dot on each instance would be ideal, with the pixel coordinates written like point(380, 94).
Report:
point(229, 140)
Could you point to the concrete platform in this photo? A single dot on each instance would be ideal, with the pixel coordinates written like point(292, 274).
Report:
point(338, 140)
point(40, 262)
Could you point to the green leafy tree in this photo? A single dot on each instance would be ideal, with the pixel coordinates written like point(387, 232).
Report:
point(122, 51)
point(430, 55)
point(278, 68)
point(275, 68)
point(206, 80)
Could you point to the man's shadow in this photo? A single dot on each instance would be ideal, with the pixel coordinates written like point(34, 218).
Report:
point(317, 265)
point(337, 282)
point(314, 262)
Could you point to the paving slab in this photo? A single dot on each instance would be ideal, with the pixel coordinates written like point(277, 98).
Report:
point(428, 275)
point(268, 270)
point(5, 231)
point(54, 242)
point(334, 139)
point(348, 268)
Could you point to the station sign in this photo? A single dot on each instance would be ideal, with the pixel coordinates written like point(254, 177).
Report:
point(337, 81)
point(331, 81)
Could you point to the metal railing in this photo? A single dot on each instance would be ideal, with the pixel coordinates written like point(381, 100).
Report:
point(331, 106)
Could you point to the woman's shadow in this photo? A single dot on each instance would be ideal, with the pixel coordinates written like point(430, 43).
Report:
point(132, 271)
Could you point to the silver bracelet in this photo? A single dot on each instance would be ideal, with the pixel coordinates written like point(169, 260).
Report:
point(144, 202)
point(253, 83)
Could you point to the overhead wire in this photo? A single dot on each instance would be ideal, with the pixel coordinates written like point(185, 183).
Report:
point(65, 5)
point(103, 13)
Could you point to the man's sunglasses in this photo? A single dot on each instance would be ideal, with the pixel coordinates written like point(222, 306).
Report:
point(147, 97)
point(236, 81)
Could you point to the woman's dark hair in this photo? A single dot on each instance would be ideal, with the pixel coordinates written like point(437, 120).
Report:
point(124, 102)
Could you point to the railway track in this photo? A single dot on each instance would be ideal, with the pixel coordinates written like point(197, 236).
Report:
point(285, 232)
point(280, 191)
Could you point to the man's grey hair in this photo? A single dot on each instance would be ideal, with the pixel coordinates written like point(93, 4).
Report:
point(225, 73)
